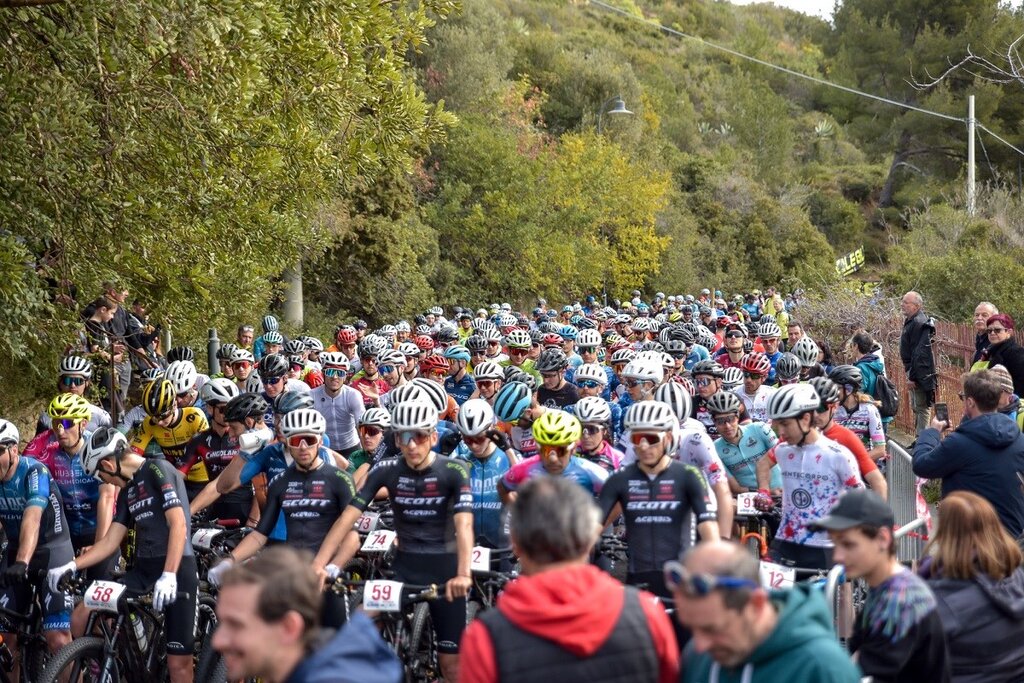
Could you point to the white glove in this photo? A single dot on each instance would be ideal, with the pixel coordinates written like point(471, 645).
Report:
point(217, 570)
point(54, 576)
point(165, 591)
point(333, 571)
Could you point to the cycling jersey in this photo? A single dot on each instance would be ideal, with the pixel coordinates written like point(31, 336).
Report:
point(342, 413)
point(756, 405)
point(695, 448)
point(813, 477)
point(697, 353)
point(30, 485)
point(722, 356)
point(585, 473)
point(79, 491)
point(523, 441)
point(460, 390)
point(174, 439)
point(865, 422)
point(607, 458)
point(773, 358)
point(657, 511)
point(566, 395)
point(362, 457)
point(156, 488)
point(756, 439)
point(216, 452)
point(271, 461)
point(308, 502)
point(490, 523)
point(378, 386)
point(702, 415)
point(424, 501)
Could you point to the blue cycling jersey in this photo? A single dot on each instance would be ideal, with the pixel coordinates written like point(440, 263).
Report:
point(30, 485)
point(697, 354)
point(271, 461)
point(79, 491)
point(741, 458)
point(461, 390)
point(774, 358)
point(490, 521)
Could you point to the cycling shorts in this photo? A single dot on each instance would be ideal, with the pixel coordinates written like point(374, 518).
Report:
point(56, 606)
point(448, 618)
point(180, 615)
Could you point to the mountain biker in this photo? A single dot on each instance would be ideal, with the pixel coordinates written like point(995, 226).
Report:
point(857, 411)
point(555, 391)
point(488, 377)
point(459, 384)
point(75, 377)
point(596, 417)
point(731, 355)
point(754, 392)
point(341, 405)
point(741, 447)
point(770, 334)
point(374, 424)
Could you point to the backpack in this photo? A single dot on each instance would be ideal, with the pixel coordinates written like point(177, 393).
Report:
point(886, 393)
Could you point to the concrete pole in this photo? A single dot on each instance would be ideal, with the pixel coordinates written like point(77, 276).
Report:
point(971, 190)
point(293, 295)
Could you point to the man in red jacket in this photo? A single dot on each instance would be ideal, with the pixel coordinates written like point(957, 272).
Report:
point(565, 620)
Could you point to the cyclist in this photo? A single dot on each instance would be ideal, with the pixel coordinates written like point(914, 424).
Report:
point(515, 406)
point(75, 376)
point(569, 333)
point(754, 392)
point(270, 327)
point(432, 500)
point(770, 335)
point(172, 428)
point(273, 343)
point(741, 447)
point(153, 499)
point(494, 352)
point(815, 471)
point(519, 343)
point(640, 377)
point(373, 424)
point(787, 370)
point(433, 370)
point(556, 433)
point(588, 343)
point(184, 377)
point(459, 384)
point(591, 380)
point(731, 355)
point(132, 419)
point(595, 416)
point(807, 352)
point(37, 538)
point(368, 381)
point(707, 380)
point(345, 342)
point(857, 411)
point(490, 455)
point(243, 364)
point(341, 405)
point(555, 391)
point(488, 378)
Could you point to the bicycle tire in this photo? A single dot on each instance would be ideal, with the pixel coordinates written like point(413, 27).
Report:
point(421, 660)
point(210, 665)
point(86, 648)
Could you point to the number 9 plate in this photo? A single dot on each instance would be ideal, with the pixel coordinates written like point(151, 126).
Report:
point(103, 595)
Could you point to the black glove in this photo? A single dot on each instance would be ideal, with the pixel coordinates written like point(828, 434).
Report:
point(16, 573)
point(500, 439)
point(449, 442)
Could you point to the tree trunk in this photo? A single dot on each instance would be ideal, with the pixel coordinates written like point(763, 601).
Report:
point(898, 158)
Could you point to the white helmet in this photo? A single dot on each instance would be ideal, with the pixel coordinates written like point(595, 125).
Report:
point(9, 433)
point(591, 371)
point(652, 416)
point(376, 417)
point(105, 442)
point(239, 355)
point(253, 384)
point(75, 365)
point(733, 378)
point(183, 375)
point(676, 397)
point(593, 409)
point(334, 359)
point(588, 338)
point(475, 417)
point(806, 351)
point(434, 391)
point(416, 414)
point(793, 400)
point(303, 421)
point(488, 370)
point(218, 390)
point(646, 369)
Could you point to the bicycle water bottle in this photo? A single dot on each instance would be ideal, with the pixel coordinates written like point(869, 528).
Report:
point(140, 631)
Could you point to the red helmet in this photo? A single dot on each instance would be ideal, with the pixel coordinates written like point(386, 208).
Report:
point(552, 339)
point(756, 364)
point(346, 335)
point(618, 345)
point(314, 378)
point(687, 384)
point(434, 363)
point(724, 321)
point(423, 342)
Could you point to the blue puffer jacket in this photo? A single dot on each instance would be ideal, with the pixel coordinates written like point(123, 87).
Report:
point(355, 654)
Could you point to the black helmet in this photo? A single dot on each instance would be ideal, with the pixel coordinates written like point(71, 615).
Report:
point(681, 334)
point(787, 367)
point(243, 406)
point(274, 365)
point(708, 367)
point(844, 375)
point(827, 390)
point(181, 353)
point(292, 400)
point(447, 335)
point(552, 360)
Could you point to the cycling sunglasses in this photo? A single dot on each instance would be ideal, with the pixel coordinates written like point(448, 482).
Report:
point(588, 349)
point(385, 369)
point(704, 382)
point(334, 372)
point(303, 440)
point(272, 380)
point(486, 382)
point(518, 352)
point(733, 334)
point(753, 375)
point(629, 382)
point(558, 451)
point(72, 381)
point(473, 440)
point(726, 419)
point(588, 384)
point(64, 423)
point(244, 364)
point(371, 430)
point(679, 578)
point(592, 430)
point(436, 373)
point(644, 439)
point(407, 437)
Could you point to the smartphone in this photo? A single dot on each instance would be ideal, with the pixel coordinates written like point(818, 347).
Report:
point(942, 412)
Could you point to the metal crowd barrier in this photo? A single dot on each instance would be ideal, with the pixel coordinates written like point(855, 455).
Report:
point(902, 484)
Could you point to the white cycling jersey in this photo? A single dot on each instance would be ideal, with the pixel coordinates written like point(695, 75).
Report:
point(757, 405)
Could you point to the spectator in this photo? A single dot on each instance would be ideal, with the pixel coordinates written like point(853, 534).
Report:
point(245, 336)
point(741, 632)
point(982, 312)
point(269, 627)
point(1009, 402)
point(916, 354)
point(975, 571)
point(565, 617)
point(794, 333)
point(898, 635)
point(1004, 350)
point(983, 455)
point(870, 360)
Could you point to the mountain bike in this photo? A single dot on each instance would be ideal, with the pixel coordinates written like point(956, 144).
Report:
point(33, 653)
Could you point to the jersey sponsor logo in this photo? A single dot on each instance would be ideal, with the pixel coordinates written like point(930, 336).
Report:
point(652, 519)
point(801, 498)
point(652, 505)
point(305, 502)
point(418, 501)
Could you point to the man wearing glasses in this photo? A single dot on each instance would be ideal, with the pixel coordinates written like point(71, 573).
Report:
point(459, 384)
point(742, 632)
point(74, 376)
point(519, 343)
point(770, 334)
point(754, 392)
point(731, 355)
point(432, 501)
point(554, 391)
point(341, 406)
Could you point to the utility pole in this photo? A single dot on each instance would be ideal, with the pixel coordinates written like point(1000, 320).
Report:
point(970, 156)
point(293, 312)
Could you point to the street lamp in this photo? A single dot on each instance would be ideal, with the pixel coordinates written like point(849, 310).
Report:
point(618, 109)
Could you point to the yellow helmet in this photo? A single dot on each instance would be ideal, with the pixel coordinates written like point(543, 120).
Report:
point(556, 428)
point(158, 398)
point(69, 407)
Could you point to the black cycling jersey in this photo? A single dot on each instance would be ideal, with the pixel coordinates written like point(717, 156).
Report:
point(311, 503)
point(156, 488)
point(656, 511)
point(424, 501)
point(216, 453)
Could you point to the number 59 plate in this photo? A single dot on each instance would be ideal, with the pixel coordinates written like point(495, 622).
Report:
point(103, 595)
point(382, 596)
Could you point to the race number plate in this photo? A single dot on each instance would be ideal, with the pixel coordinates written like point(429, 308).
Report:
point(103, 595)
point(203, 538)
point(776, 577)
point(379, 541)
point(745, 504)
point(367, 522)
point(382, 596)
point(481, 559)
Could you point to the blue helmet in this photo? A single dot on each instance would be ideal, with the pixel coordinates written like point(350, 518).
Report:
point(457, 352)
point(512, 401)
point(568, 332)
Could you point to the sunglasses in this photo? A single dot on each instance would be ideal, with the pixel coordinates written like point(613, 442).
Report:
point(588, 384)
point(753, 375)
point(244, 364)
point(433, 373)
point(406, 438)
point(480, 438)
point(704, 382)
point(644, 439)
point(486, 382)
point(629, 382)
point(303, 440)
point(678, 577)
point(493, 343)
point(478, 353)
point(370, 430)
point(995, 330)
point(518, 352)
point(588, 349)
point(733, 334)
point(73, 381)
point(385, 369)
point(334, 372)
point(557, 451)
point(64, 423)
point(726, 419)
point(272, 380)
point(592, 430)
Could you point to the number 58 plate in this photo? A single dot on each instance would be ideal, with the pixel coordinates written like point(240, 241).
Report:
point(103, 595)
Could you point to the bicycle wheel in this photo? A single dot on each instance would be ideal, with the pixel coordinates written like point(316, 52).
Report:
point(420, 661)
point(210, 666)
point(80, 661)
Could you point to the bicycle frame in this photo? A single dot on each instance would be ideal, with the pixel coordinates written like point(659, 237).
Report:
point(27, 628)
point(121, 645)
